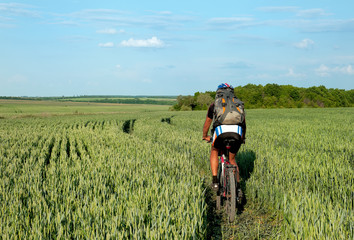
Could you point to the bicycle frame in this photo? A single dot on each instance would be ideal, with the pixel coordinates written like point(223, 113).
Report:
point(227, 181)
point(224, 165)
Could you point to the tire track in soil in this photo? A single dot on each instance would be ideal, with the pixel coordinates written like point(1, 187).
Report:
point(251, 222)
point(214, 217)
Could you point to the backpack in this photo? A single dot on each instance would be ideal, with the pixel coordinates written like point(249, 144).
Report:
point(228, 110)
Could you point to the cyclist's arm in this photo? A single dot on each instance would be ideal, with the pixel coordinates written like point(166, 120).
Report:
point(206, 127)
point(207, 123)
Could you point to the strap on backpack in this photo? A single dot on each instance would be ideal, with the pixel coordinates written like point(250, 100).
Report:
point(225, 107)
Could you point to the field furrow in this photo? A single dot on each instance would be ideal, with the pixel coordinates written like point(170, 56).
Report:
point(146, 176)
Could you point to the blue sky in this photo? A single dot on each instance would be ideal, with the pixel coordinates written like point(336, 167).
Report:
point(56, 48)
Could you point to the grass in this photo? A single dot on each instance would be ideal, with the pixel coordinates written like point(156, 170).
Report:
point(61, 172)
point(30, 108)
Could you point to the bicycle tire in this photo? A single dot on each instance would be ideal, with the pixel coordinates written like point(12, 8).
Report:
point(218, 202)
point(231, 195)
point(219, 192)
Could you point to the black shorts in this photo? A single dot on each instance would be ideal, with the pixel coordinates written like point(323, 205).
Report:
point(218, 143)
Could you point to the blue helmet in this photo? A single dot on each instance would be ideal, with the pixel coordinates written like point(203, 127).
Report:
point(225, 85)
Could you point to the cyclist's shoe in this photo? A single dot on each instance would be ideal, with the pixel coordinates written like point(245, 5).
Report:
point(215, 187)
point(239, 196)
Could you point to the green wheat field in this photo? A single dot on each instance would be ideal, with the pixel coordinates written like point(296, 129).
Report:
point(109, 171)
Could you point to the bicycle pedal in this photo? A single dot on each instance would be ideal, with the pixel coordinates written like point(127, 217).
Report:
point(215, 187)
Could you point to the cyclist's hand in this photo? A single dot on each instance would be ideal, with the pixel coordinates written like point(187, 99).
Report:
point(207, 138)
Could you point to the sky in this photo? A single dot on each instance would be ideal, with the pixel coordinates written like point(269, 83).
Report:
point(77, 47)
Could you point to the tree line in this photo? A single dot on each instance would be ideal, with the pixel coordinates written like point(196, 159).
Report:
point(273, 96)
point(130, 101)
point(154, 100)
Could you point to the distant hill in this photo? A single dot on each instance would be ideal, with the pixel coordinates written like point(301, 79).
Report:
point(156, 100)
point(273, 96)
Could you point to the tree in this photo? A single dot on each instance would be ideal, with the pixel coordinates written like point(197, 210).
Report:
point(204, 100)
point(272, 96)
point(295, 94)
point(250, 94)
point(272, 90)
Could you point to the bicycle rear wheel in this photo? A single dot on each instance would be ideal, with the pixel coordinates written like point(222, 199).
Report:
point(231, 195)
point(218, 202)
point(221, 187)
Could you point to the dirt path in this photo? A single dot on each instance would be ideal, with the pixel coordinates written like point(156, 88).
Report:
point(250, 223)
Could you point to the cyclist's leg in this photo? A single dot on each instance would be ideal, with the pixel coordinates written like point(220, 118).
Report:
point(233, 162)
point(233, 152)
point(232, 158)
point(214, 162)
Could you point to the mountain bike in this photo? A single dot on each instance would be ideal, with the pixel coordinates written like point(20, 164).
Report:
point(227, 175)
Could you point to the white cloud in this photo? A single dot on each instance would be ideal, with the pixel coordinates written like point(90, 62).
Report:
point(67, 23)
point(307, 13)
point(325, 71)
point(88, 13)
point(260, 76)
point(305, 44)
point(156, 20)
point(227, 23)
point(4, 19)
point(292, 73)
point(279, 9)
point(153, 42)
point(322, 71)
point(228, 20)
point(106, 45)
point(344, 70)
point(165, 12)
point(18, 9)
point(301, 24)
point(310, 13)
point(107, 31)
point(327, 25)
point(110, 31)
point(160, 12)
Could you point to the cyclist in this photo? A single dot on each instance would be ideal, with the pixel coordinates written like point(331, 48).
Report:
point(215, 148)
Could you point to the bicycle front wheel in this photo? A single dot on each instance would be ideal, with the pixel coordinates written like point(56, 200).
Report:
point(231, 195)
